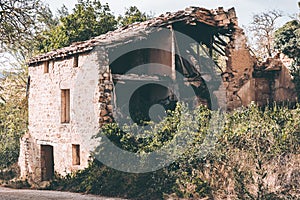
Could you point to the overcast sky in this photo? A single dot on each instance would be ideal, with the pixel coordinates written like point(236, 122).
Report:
point(244, 8)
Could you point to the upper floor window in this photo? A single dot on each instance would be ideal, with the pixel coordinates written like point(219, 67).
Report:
point(75, 61)
point(46, 67)
point(65, 106)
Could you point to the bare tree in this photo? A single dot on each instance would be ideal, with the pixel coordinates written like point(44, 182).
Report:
point(263, 27)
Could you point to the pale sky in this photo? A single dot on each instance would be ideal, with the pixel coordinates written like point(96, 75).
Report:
point(244, 8)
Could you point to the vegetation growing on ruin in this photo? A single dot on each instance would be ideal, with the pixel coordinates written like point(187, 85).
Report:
point(255, 151)
point(39, 31)
point(287, 41)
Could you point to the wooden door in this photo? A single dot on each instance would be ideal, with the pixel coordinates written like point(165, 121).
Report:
point(47, 162)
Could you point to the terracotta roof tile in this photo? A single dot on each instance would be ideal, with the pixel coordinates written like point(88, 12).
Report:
point(217, 18)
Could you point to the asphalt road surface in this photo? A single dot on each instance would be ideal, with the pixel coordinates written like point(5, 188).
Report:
point(14, 194)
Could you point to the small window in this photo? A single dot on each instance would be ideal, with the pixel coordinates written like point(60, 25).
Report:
point(65, 106)
point(46, 67)
point(75, 61)
point(75, 154)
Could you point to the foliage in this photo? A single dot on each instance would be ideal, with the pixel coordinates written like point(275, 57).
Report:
point(88, 19)
point(99, 179)
point(263, 136)
point(132, 14)
point(288, 42)
point(27, 28)
point(287, 39)
point(13, 116)
point(20, 22)
point(244, 156)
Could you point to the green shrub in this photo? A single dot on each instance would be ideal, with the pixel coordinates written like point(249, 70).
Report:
point(13, 123)
point(102, 180)
point(236, 161)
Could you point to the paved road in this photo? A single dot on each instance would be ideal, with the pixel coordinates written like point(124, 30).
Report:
point(13, 194)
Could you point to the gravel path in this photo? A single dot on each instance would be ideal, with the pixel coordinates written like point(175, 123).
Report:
point(13, 194)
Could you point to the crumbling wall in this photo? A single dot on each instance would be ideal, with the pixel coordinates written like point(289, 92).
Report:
point(273, 82)
point(284, 87)
point(239, 67)
point(247, 80)
point(29, 159)
point(105, 89)
point(91, 83)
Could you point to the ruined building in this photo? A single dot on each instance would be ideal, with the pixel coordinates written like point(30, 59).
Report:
point(72, 91)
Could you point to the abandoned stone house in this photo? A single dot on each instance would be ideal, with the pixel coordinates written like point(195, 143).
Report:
point(71, 90)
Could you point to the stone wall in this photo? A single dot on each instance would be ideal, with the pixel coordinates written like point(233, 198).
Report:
point(237, 77)
point(284, 87)
point(45, 127)
point(273, 82)
point(246, 80)
point(105, 88)
point(92, 94)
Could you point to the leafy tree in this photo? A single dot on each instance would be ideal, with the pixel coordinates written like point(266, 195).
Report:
point(263, 27)
point(132, 14)
point(13, 115)
point(88, 19)
point(20, 21)
point(287, 41)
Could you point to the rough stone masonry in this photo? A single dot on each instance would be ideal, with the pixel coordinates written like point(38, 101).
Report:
point(71, 90)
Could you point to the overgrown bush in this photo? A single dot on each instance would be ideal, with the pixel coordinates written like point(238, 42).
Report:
point(287, 41)
point(102, 180)
point(253, 154)
point(13, 116)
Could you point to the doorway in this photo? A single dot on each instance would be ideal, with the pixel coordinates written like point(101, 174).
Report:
point(47, 162)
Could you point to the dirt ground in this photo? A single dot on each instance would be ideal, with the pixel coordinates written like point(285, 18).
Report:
point(14, 194)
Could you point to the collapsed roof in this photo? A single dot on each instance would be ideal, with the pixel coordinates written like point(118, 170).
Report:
point(216, 20)
point(243, 79)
